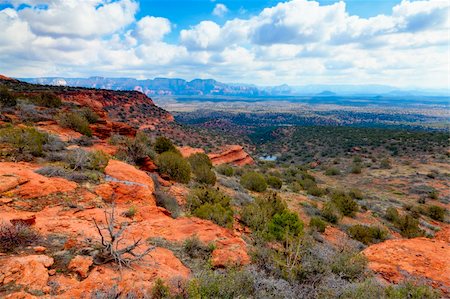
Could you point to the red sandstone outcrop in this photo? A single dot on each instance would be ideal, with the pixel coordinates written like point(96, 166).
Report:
point(233, 154)
point(31, 184)
point(420, 257)
point(187, 151)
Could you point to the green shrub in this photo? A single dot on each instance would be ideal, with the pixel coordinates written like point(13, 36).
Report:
point(259, 213)
point(160, 290)
point(24, 141)
point(356, 194)
point(79, 159)
point(412, 291)
point(201, 167)
point(385, 163)
point(199, 159)
point(230, 284)
point(131, 212)
point(344, 203)
point(367, 234)
point(436, 213)
point(133, 150)
point(7, 99)
point(74, 121)
point(317, 224)
point(194, 248)
point(216, 213)
point(211, 204)
point(434, 194)
point(315, 191)
point(46, 99)
point(163, 144)
point(391, 214)
point(174, 166)
point(274, 182)
point(330, 212)
point(408, 226)
point(89, 114)
point(356, 168)
point(225, 169)
point(349, 264)
point(285, 224)
point(332, 171)
point(254, 181)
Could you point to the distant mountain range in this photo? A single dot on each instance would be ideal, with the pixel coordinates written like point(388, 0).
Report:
point(210, 87)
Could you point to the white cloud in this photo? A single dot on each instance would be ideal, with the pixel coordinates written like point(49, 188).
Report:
point(220, 10)
point(294, 42)
point(151, 29)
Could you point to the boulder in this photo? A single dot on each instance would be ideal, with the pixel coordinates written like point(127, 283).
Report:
point(80, 265)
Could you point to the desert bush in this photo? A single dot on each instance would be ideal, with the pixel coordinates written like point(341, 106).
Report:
point(168, 202)
point(284, 225)
point(274, 182)
point(254, 181)
point(174, 166)
point(385, 163)
point(349, 264)
point(163, 144)
point(356, 168)
point(194, 248)
point(201, 167)
point(131, 212)
point(330, 212)
point(225, 170)
point(314, 190)
point(356, 194)
point(74, 121)
point(160, 290)
point(332, 171)
point(46, 99)
point(391, 214)
point(230, 284)
point(199, 159)
point(317, 224)
point(436, 213)
point(367, 234)
point(25, 141)
point(7, 99)
point(259, 213)
point(79, 159)
point(344, 203)
point(211, 204)
point(89, 114)
point(216, 213)
point(133, 150)
point(408, 226)
point(411, 290)
point(13, 236)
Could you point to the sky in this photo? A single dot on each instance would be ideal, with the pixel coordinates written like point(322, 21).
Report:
point(263, 42)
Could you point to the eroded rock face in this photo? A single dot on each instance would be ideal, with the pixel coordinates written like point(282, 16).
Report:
point(126, 173)
point(187, 151)
point(30, 271)
point(421, 257)
point(80, 265)
point(51, 127)
point(233, 154)
point(32, 184)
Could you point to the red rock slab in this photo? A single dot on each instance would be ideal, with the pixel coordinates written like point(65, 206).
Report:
point(122, 193)
point(161, 263)
point(127, 173)
point(421, 257)
point(28, 271)
point(80, 264)
point(35, 184)
point(104, 147)
point(233, 154)
point(51, 127)
point(187, 151)
point(8, 182)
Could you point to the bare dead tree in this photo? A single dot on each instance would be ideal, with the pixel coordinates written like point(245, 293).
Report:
point(111, 241)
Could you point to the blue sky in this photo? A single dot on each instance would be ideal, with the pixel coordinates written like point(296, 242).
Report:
point(402, 43)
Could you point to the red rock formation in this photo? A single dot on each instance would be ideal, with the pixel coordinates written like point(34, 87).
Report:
point(420, 257)
point(187, 151)
point(33, 184)
point(233, 154)
point(51, 127)
point(2, 77)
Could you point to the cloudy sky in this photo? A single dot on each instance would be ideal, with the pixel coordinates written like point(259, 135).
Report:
point(265, 42)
